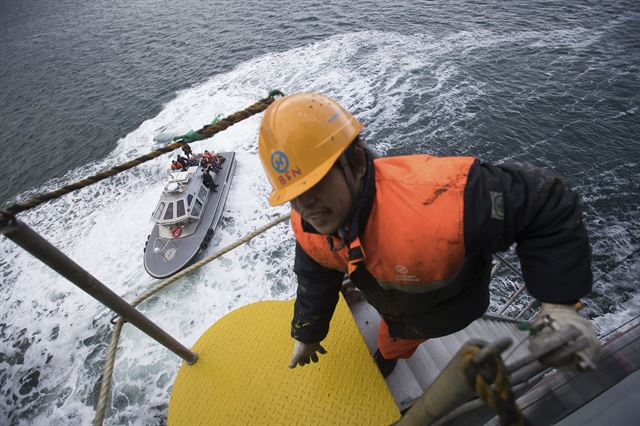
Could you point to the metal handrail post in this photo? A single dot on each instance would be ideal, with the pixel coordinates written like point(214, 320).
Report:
point(495, 268)
point(513, 297)
point(518, 292)
point(35, 244)
point(526, 308)
point(501, 259)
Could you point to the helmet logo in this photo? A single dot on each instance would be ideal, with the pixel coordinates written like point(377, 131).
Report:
point(279, 161)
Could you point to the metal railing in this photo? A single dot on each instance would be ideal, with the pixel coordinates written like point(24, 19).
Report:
point(501, 261)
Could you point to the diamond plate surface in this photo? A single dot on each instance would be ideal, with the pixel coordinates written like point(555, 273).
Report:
point(241, 376)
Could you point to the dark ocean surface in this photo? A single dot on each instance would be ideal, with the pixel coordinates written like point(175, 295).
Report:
point(86, 85)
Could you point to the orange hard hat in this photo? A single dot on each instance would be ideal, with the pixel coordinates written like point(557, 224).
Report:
point(301, 137)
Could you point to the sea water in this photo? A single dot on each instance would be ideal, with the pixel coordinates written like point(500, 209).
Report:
point(85, 86)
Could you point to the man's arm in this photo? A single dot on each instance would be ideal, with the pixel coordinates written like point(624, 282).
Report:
point(317, 296)
point(532, 207)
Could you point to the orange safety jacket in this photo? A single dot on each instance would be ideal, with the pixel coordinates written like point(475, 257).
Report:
point(411, 255)
point(426, 228)
point(415, 229)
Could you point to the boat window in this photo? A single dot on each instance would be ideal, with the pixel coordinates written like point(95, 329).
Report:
point(189, 199)
point(158, 211)
point(203, 193)
point(169, 213)
point(180, 208)
point(197, 207)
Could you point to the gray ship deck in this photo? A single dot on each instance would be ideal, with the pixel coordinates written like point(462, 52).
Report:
point(412, 376)
point(546, 396)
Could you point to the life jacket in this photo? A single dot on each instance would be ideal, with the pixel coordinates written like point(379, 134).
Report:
point(414, 238)
point(412, 247)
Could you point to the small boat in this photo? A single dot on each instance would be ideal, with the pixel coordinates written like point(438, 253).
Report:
point(186, 216)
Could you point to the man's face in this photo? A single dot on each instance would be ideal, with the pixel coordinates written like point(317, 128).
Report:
point(327, 204)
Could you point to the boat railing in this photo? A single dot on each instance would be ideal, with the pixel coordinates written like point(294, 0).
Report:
point(516, 295)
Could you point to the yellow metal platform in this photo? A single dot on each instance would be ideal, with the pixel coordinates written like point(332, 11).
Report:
point(242, 377)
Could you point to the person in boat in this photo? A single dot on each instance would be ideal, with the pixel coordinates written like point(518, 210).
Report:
point(207, 179)
point(219, 159)
point(187, 150)
point(212, 160)
point(216, 163)
point(414, 233)
point(175, 165)
point(183, 162)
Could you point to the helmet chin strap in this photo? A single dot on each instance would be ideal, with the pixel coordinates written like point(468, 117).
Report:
point(346, 231)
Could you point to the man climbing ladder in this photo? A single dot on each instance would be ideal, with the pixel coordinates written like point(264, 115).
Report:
point(415, 233)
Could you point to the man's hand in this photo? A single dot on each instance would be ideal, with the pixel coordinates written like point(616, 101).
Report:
point(304, 353)
point(582, 353)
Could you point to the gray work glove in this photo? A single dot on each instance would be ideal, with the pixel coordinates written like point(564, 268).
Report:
point(555, 317)
point(304, 353)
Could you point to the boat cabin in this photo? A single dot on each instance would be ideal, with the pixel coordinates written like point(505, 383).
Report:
point(181, 203)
